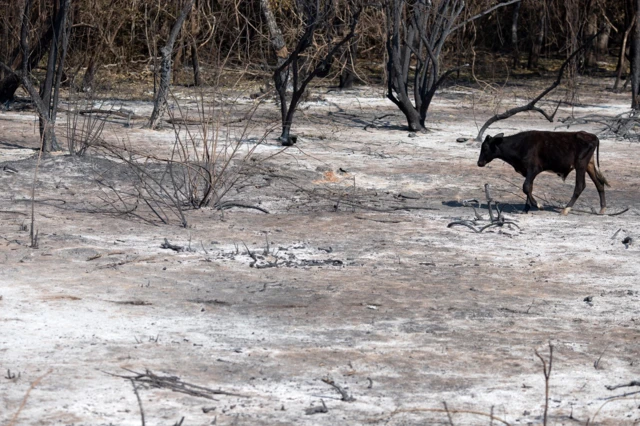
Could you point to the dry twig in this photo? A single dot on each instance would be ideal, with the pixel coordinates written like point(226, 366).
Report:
point(547, 374)
point(343, 393)
point(135, 390)
point(174, 383)
point(448, 413)
point(35, 383)
point(440, 410)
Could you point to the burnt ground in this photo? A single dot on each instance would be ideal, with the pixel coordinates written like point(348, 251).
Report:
point(352, 277)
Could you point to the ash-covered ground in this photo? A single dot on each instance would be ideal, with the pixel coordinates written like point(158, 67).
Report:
point(352, 277)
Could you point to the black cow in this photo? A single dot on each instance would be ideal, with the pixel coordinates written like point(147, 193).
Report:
point(531, 153)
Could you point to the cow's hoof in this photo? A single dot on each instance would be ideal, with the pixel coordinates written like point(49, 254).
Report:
point(540, 207)
point(602, 210)
point(566, 211)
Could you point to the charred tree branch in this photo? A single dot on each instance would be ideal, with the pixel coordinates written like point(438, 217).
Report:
point(531, 106)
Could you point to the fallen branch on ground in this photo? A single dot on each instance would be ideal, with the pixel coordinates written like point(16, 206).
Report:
point(198, 122)
point(174, 247)
point(174, 383)
point(125, 113)
point(624, 125)
point(626, 385)
point(229, 204)
point(343, 393)
point(317, 409)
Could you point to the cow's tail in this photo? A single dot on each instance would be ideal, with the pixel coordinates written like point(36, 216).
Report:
point(599, 174)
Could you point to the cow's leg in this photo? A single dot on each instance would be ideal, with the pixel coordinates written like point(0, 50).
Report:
point(580, 184)
point(527, 188)
point(591, 169)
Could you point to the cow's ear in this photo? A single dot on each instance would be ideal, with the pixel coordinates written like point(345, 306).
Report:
point(497, 139)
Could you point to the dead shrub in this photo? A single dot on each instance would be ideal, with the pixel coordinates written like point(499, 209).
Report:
point(210, 155)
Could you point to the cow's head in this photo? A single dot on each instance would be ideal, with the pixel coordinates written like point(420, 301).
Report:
point(490, 149)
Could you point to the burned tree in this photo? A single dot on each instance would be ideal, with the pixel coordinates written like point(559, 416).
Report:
point(166, 51)
point(514, 35)
point(348, 54)
point(531, 105)
point(630, 21)
point(11, 80)
point(102, 26)
point(46, 100)
point(311, 57)
point(635, 60)
point(538, 39)
point(416, 33)
point(348, 73)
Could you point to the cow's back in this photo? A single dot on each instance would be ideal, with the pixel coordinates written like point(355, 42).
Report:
point(559, 152)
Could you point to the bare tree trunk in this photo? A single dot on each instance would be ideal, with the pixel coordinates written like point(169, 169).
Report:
point(46, 101)
point(4, 41)
point(410, 36)
point(194, 35)
point(276, 38)
point(297, 69)
point(90, 73)
point(602, 44)
point(348, 54)
point(281, 75)
point(65, 33)
point(195, 63)
point(592, 28)
point(416, 33)
point(178, 59)
point(536, 45)
point(9, 53)
point(514, 35)
point(347, 76)
point(12, 81)
point(51, 88)
point(635, 61)
point(572, 15)
point(621, 56)
point(166, 51)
